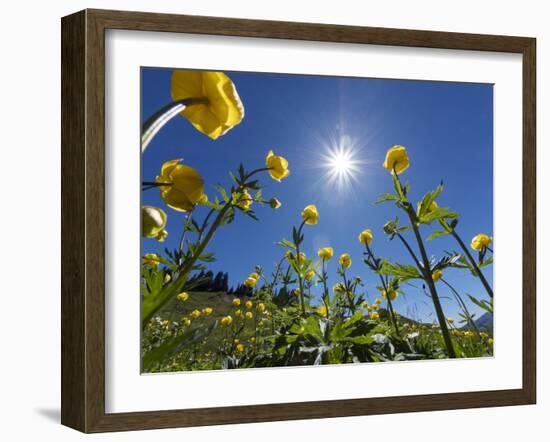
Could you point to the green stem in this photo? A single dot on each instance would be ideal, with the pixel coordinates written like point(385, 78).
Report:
point(385, 287)
point(473, 263)
point(348, 294)
point(426, 272)
point(300, 282)
point(463, 306)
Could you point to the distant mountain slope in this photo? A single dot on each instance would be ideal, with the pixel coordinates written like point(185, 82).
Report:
point(484, 323)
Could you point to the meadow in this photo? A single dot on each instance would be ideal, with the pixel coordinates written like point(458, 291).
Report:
point(305, 310)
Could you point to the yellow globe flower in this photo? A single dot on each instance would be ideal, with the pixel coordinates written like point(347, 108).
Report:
point(239, 348)
point(374, 316)
point(436, 276)
point(274, 203)
point(392, 294)
point(221, 108)
point(325, 253)
point(252, 339)
point(226, 321)
point(365, 237)
point(236, 301)
point(153, 221)
point(184, 186)
point(207, 311)
point(309, 275)
point(248, 315)
point(186, 322)
point(310, 215)
point(260, 307)
point(278, 166)
point(480, 242)
point(490, 341)
point(238, 313)
point(345, 261)
point(151, 260)
point(195, 313)
point(250, 282)
point(322, 310)
point(248, 304)
point(377, 301)
point(396, 158)
point(183, 296)
point(255, 276)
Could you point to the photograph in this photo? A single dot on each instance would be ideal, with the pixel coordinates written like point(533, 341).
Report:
point(302, 220)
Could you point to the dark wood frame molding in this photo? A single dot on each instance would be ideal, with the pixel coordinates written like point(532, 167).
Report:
point(83, 217)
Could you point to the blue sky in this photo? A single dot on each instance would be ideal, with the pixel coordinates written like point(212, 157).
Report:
point(446, 127)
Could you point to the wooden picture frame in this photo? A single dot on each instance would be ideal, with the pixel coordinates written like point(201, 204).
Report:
point(83, 220)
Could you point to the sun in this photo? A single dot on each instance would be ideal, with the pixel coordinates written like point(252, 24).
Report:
point(341, 162)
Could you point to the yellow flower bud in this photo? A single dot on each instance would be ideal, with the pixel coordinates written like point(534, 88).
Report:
point(207, 311)
point(436, 276)
point(480, 242)
point(153, 221)
point(396, 158)
point(278, 166)
point(260, 307)
point(248, 304)
point(325, 253)
point(195, 313)
point(345, 261)
point(236, 301)
point(309, 275)
point(243, 199)
point(184, 186)
point(226, 321)
point(161, 236)
point(248, 315)
point(274, 203)
point(250, 282)
point(220, 107)
point(378, 301)
point(151, 260)
point(238, 312)
point(186, 322)
point(203, 199)
point(365, 237)
point(239, 348)
point(392, 294)
point(183, 296)
point(374, 316)
point(310, 214)
point(252, 339)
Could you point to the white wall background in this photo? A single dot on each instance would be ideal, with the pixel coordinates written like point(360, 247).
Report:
point(30, 223)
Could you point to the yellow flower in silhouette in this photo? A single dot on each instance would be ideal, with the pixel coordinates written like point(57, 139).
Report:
point(480, 242)
point(183, 187)
point(310, 214)
point(219, 108)
point(345, 261)
point(396, 158)
point(325, 253)
point(278, 166)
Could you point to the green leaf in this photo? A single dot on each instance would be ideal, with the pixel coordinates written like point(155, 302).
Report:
point(441, 213)
point(386, 197)
point(485, 305)
point(437, 234)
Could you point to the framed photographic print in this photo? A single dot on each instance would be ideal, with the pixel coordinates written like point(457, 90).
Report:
point(268, 221)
